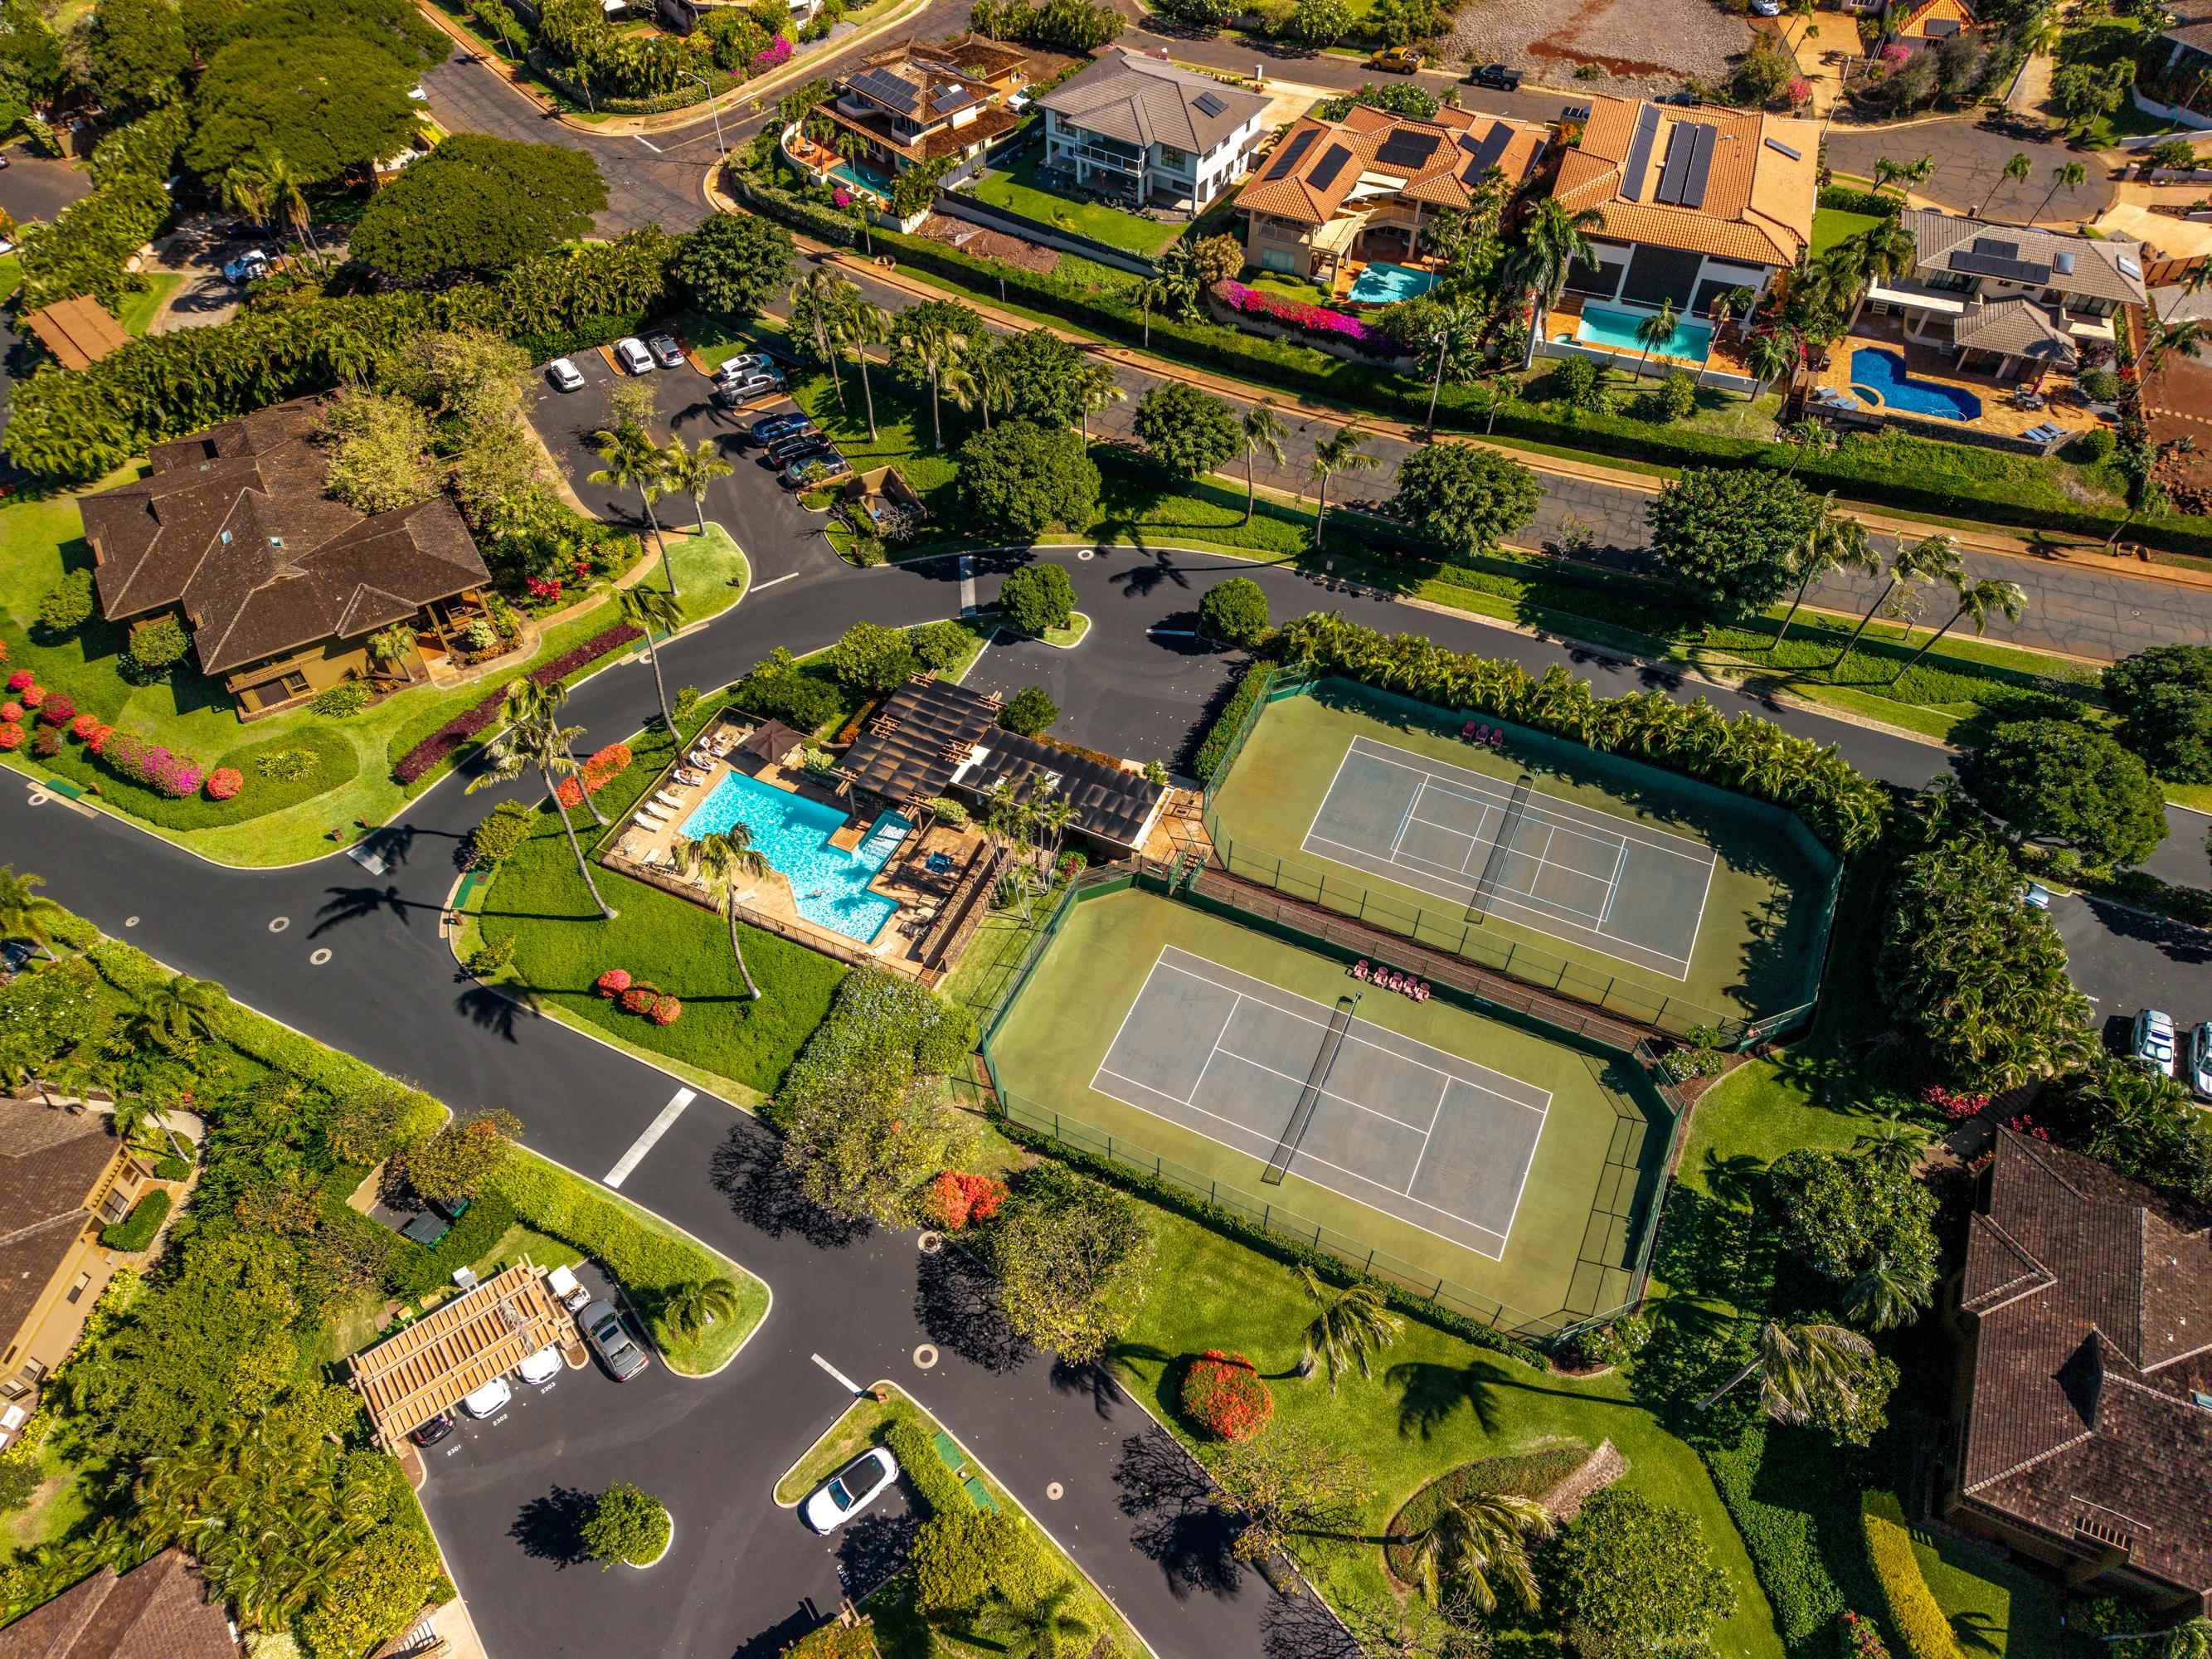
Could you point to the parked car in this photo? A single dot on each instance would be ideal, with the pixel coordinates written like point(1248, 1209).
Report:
point(2200, 1058)
point(666, 351)
point(1684, 98)
point(812, 471)
point(1496, 77)
point(782, 452)
point(769, 428)
point(248, 267)
point(1398, 60)
point(1571, 114)
point(565, 375)
point(437, 1220)
point(1766, 7)
point(489, 1400)
point(541, 1367)
point(430, 1433)
point(849, 1491)
point(563, 1285)
point(745, 365)
point(2038, 896)
point(2154, 1041)
point(610, 1339)
point(16, 955)
point(734, 394)
point(630, 351)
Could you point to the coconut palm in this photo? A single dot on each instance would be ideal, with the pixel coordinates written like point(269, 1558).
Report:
point(245, 187)
point(539, 742)
point(178, 1013)
point(1933, 558)
point(815, 300)
point(1095, 387)
point(994, 386)
point(1801, 1368)
point(1837, 541)
point(648, 609)
point(1552, 243)
point(1052, 816)
point(633, 461)
point(1045, 1628)
point(856, 325)
point(940, 353)
point(138, 1120)
point(1348, 1326)
point(1455, 317)
point(1883, 1297)
point(2065, 176)
point(24, 914)
point(695, 471)
point(288, 197)
point(392, 646)
point(1805, 437)
point(726, 860)
point(2188, 337)
point(1874, 255)
point(1478, 1544)
point(1977, 600)
point(1341, 453)
point(1261, 433)
point(526, 699)
point(1654, 331)
point(1769, 355)
point(692, 1306)
point(1885, 173)
point(1153, 291)
point(2017, 166)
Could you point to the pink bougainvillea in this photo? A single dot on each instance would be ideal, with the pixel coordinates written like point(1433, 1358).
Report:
point(224, 782)
point(1798, 90)
point(613, 983)
point(34, 697)
point(1293, 313)
point(149, 763)
point(20, 679)
point(774, 55)
point(542, 587)
point(57, 710)
point(841, 197)
point(666, 1011)
point(1896, 55)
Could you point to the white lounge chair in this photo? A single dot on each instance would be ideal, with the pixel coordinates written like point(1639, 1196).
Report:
point(669, 798)
point(656, 816)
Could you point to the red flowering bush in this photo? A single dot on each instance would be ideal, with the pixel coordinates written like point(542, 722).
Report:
point(84, 725)
point(613, 983)
point(442, 743)
point(604, 765)
point(224, 782)
point(666, 1011)
point(11, 735)
point(34, 697)
point(1222, 1393)
point(1861, 1639)
point(569, 793)
point(58, 710)
point(956, 1198)
point(98, 741)
point(1953, 1104)
point(2025, 1125)
point(20, 679)
point(640, 998)
point(47, 744)
point(12, 712)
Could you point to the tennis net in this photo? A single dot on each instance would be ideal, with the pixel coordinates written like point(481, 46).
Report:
point(1310, 1097)
point(1486, 889)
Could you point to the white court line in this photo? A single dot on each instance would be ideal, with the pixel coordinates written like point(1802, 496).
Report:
point(1612, 891)
point(1218, 1036)
point(787, 576)
point(1341, 1100)
point(1533, 815)
point(1135, 1004)
point(1409, 860)
point(1542, 864)
point(1433, 1117)
point(654, 1130)
point(1413, 807)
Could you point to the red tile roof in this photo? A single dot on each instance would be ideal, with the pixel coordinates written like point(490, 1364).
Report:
point(1313, 172)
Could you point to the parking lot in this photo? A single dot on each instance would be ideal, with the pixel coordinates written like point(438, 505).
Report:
point(2125, 959)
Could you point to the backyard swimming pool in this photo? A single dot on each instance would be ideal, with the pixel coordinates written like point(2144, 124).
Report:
point(1382, 282)
point(793, 834)
point(1602, 325)
point(1882, 374)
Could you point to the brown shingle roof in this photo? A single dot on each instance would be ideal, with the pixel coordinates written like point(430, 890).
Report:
point(1307, 180)
point(232, 524)
point(2192, 24)
point(1141, 101)
point(158, 1610)
point(2093, 1313)
point(49, 1160)
point(2018, 326)
point(1758, 199)
point(79, 332)
point(1939, 238)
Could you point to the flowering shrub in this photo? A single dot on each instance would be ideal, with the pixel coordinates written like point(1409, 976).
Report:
point(602, 766)
point(666, 1011)
point(1222, 1393)
point(774, 55)
point(1953, 1104)
point(1293, 313)
point(1861, 1639)
point(542, 587)
point(20, 679)
point(33, 696)
point(613, 983)
point(640, 998)
point(1896, 55)
point(11, 735)
point(47, 744)
point(441, 744)
point(841, 197)
point(151, 764)
point(568, 792)
point(224, 782)
point(84, 725)
point(2025, 1125)
point(956, 1198)
point(11, 712)
point(1798, 90)
point(98, 741)
point(57, 710)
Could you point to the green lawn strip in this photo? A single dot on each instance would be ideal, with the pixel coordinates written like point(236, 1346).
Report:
point(1068, 638)
point(1763, 1109)
point(1021, 189)
point(1996, 1609)
point(137, 310)
point(1834, 225)
point(647, 1256)
point(861, 1425)
point(712, 571)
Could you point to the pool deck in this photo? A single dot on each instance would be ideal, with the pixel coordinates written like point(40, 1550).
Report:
point(1565, 318)
point(1926, 363)
point(643, 849)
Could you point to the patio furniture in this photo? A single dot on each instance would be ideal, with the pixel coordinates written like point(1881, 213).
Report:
point(653, 816)
point(2048, 433)
point(669, 798)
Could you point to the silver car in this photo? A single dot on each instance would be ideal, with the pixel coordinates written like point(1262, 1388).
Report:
point(666, 351)
point(2200, 1060)
point(2153, 1044)
point(618, 1350)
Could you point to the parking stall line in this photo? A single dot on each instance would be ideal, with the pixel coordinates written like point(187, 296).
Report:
point(654, 1130)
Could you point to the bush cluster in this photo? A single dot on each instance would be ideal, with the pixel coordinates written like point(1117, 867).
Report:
point(1224, 1393)
point(153, 765)
point(780, 687)
point(136, 1230)
point(627, 1525)
point(444, 743)
point(1914, 1612)
point(1213, 748)
point(635, 996)
point(958, 1198)
point(346, 698)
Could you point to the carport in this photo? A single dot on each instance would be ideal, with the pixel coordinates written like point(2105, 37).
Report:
point(455, 1349)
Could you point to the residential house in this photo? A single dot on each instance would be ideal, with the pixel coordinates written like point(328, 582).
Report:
point(2011, 300)
point(2084, 1436)
point(1691, 203)
point(280, 584)
point(1149, 133)
point(158, 1610)
point(1357, 188)
point(918, 103)
point(63, 1176)
point(1928, 23)
point(2189, 38)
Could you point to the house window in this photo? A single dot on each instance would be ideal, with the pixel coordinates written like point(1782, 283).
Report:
point(1171, 157)
point(113, 1207)
point(33, 1370)
point(82, 1283)
point(1275, 258)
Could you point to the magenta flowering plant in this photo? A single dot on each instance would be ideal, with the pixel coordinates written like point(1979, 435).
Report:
point(774, 55)
point(841, 197)
point(1310, 319)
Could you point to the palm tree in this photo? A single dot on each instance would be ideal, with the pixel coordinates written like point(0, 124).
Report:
point(524, 700)
point(1095, 388)
point(1480, 1542)
point(177, 1014)
point(1885, 173)
point(1046, 1629)
point(539, 742)
point(1341, 453)
point(858, 325)
point(390, 646)
point(994, 386)
point(245, 187)
point(24, 914)
point(138, 1120)
point(1262, 433)
point(692, 1307)
point(1836, 541)
point(941, 355)
point(1152, 291)
point(1733, 302)
point(1933, 558)
point(1977, 600)
point(1654, 331)
point(694, 471)
point(1552, 243)
point(1801, 1368)
point(1347, 1327)
point(1883, 1297)
point(1770, 354)
point(2186, 337)
point(646, 609)
point(1892, 1149)
point(633, 461)
point(726, 858)
point(2016, 167)
point(288, 197)
point(2065, 176)
point(815, 299)
point(1885, 250)
point(1805, 437)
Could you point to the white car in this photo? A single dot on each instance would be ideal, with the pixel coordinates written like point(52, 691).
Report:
point(630, 351)
point(541, 1367)
point(565, 375)
point(249, 266)
point(1766, 7)
point(488, 1400)
point(2200, 1060)
point(849, 1491)
point(744, 366)
point(2154, 1041)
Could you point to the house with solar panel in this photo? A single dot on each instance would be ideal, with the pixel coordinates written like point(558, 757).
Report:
point(917, 103)
point(1146, 134)
point(1692, 205)
point(1926, 23)
point(1341, 203)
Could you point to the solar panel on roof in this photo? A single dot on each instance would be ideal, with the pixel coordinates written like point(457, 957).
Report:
point(1209, 104)
point(1681, 144)
point(952, 98)
point(1992, 265)
point(1486, 154)
point(1997, 247)
point(1639, 153)
point(1288, 156)
point(1941, 28)
point(884, 88)
point(1701, 166)
point(1795, 155)
point(1408, 150)
point(1331, 163)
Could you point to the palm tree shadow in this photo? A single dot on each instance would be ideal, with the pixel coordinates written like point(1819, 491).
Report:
point(1975, 1631)
point(496, 1011)
point(1430, 1396)
point(1733, 1180)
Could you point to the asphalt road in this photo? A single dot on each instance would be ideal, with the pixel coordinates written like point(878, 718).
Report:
point(2123, 959)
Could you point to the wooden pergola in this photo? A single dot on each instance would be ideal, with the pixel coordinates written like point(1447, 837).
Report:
point(455, 1349)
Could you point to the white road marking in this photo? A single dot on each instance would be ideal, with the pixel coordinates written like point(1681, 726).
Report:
point(773, 581)
point(647, 142)
point(967, 585)
point(845, 1381)
point(654, 1130)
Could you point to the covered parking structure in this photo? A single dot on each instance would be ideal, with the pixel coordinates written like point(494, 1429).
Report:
point(455, 1349)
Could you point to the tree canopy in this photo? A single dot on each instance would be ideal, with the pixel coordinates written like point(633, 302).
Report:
point(1234, 610)
point(1019, 478)
point(1468, 497)
point(136, 52)
point(1843, 1212)
point(1188, 432)
point(478, 203)
point(1633, 1576)
point(2062, 782)
point(1731, 535)
point(2164, 696)
point(735, 263)
point(1073, 1259)
point(1038, 375)
point(1039, 597)
point(323, 102)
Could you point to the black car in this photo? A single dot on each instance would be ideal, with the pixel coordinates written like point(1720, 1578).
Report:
point(430, 1433)
point(785, 450)
point(435, 1223)
point(1495, 76)
point(770, 428)
point(1574, 112)
point(16, 955)
point(1686, 99)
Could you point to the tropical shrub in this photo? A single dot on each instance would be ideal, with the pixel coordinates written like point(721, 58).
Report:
point(956, 1198)
point(779, 688)
point(665, 1011)
point(142, 762)
point(47, 744)
point(1317, 320)
point(613, 983)
point(444, 743)
point(224, 782)
point(1225, 1394)
point(11, 735)
point(67, 604)
point(2072, 783)
point(626, 1525)
point(1914, 1612)
point(136, 1230)
point(639, 1000)
point(158, 645)
point(503, 829)
point(1631, 1576)
point(56, 710)
point(1859, 1637)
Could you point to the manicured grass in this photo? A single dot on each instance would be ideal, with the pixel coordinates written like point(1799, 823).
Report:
point(1020, 189)
point(1764, 1108)
point(137, 310)
point(1995, 1608)
point(1834, 225)
point(1068, 638)
point(1298, 289)
point(862, 1425)
point(712, 571)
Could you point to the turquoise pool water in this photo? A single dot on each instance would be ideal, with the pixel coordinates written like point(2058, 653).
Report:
point(866, 179)
point(1883, 374)
point(793, 834)
point(1602, 325)
point(1381, 283)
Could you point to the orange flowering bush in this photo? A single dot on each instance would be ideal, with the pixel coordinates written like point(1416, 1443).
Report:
point(1224, 1394)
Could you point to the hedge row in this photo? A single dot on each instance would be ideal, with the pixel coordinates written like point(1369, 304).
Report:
point(924, 1469)
point(1235, 1224)
point(416, 1270)
point(1780, 1534)
point(136, 1230)
point(1914, 1613)
point(442, 745)
point(1214, 750)
point(1843, 199)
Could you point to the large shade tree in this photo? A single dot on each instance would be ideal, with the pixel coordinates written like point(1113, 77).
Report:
point(1468, 497)
point(2060, 781)
point(1732, 535)
point(324, 102)
point(478, 203)
point(735, 263)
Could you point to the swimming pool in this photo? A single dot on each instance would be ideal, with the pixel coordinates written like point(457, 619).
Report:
point(1602, 325)
point(866, 179)
point(1381, 283)
point(793, 834)
point(1882, 372)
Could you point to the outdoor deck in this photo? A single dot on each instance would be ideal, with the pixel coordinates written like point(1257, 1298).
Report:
point(1564, 318)
point(1923, 361)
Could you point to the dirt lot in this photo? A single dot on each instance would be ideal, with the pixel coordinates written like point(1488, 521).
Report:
point(1637, 45)
point(2178, 399)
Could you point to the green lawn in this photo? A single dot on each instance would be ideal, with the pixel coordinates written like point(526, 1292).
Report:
point(1290, 288)
point(1019, 189)
point(1996, 1610)
point(138, 309)
point(1834, 225)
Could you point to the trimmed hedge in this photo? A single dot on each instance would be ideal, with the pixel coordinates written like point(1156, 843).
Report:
point(170, 1167)
point(416, 1270)
point(924, 1469)
point(136, 1230)
point(1215, 749)
point(1914, 1613)
point(1224, 1393)
point(444, 743)
point(1781, 1533)
point(1844, 199)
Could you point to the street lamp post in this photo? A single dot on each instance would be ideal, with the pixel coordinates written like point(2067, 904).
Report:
point(714, 109)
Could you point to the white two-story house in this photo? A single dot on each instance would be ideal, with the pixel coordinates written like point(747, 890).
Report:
point(1150, 134)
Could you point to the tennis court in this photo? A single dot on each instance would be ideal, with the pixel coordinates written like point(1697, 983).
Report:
point(1428, 1137)
point(1627, 890)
